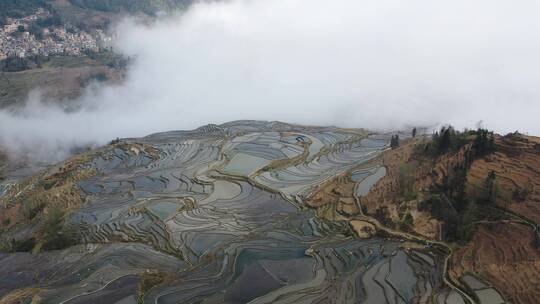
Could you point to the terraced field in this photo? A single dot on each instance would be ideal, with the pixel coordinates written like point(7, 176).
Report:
point(490, 255)
point(217, 215)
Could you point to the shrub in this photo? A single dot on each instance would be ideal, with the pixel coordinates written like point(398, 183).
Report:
point(16, 64)
point(6, 221)
point(407, 222)
point(148, 281)
point(54, 234)
point(382, 215)
point(32, 207)
point(23, 245)
point(13, 245)
point(406, 181)
point(520, 194)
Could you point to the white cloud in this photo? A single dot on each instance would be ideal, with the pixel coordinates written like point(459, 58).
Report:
point(378, 64)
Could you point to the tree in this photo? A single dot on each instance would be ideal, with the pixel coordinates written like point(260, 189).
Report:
point(521, 194)
point(54, 233)
point(394, 141)
point(407, 222)
point(484, 143)
point(383, 216)
point(20, 28)
point(54, 20)
point(414, 132)
point(445, 140)
point(36, 30)
point(491, 188)
point(16, 64)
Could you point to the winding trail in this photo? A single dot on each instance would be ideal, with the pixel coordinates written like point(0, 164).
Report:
point(451, 282)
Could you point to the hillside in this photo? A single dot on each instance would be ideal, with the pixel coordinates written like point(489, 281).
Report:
point(484, 206)
point(138, 219)
point(150, 7)
point(95, 12)
point(199, 215)
point(58, 47)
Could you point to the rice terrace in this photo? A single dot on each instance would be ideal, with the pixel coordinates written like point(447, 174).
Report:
point(226, 214)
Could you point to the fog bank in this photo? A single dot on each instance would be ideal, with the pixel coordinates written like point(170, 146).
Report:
point(379, 64)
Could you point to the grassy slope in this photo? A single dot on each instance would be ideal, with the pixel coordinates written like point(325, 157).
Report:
point(59, 78)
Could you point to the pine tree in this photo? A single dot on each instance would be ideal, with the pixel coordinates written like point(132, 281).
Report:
point(394, 141)
point(491, 188)
point(445, 140)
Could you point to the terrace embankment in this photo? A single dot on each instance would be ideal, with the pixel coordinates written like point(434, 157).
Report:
point(390, 199)
point(27, 205)
point(505, 256)
point(184, 220)
point(180, 217)
point(499, 217)
point(516, 165)
point(338, 193)
point(339, 197)
point(27, 200)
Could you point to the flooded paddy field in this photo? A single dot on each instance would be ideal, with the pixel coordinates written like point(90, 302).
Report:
point(215, 215)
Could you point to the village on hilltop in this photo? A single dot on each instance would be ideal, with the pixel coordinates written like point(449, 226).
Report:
point(20, 37)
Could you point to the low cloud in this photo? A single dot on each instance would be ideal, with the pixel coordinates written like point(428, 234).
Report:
point(379, 64)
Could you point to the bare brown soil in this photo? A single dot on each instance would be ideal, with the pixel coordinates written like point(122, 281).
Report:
point(517, 167)
point(387, 192)
point(338, 192)
point(503, 254)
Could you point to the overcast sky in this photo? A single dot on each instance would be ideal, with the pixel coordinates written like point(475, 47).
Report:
point(378, 64)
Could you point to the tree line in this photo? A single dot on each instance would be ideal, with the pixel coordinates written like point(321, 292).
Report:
point(448, 200)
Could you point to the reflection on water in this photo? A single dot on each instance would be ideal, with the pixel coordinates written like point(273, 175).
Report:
point(230, 240)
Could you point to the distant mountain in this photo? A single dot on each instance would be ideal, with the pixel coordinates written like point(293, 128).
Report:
point(19, 8)
point(88, 13)
point(150, 7)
